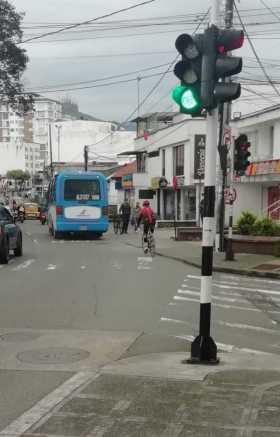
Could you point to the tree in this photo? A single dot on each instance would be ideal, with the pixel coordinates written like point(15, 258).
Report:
point(18, 175)
point(13, 59)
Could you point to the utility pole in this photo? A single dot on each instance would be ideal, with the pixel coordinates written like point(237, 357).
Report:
point(203, 348)
point(59, 127)
point(138, 95)
point(225, 116)
point(86, 157)
point(51, 154)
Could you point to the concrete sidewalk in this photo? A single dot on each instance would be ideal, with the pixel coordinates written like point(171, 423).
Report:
point(190, 253)
point(157, 396)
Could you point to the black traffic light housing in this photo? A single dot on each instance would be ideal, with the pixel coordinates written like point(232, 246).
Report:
point(217, 65)
point(241, 154)
point(188, 71)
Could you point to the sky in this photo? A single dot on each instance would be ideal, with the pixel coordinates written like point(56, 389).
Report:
point(59, 64)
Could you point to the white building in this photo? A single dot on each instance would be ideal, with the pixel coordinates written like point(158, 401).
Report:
point(12, 157)
point(170, 155)
point(259, 190)
point(33, 162)
point(69, 138)
point(46, 111)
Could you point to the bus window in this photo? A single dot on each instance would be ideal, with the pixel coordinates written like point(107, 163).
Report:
point(81, 190)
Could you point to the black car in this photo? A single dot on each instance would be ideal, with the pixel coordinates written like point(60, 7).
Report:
point(10, 236)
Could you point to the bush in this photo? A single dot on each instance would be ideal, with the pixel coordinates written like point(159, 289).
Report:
point(266, 227)
point(246, 222)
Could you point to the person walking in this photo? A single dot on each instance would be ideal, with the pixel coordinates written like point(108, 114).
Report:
point(135, 215)
point(125, 211)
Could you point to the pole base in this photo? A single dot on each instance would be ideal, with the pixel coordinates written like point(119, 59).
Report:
point(229, 256)
point(203, 351)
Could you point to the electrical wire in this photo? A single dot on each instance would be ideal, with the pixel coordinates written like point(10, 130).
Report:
point(43, 35)
point(255, 53)
point(154, 67)
point(270, 10)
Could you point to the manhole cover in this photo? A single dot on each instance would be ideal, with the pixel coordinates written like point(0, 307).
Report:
point(53, 356)
point(19, 336)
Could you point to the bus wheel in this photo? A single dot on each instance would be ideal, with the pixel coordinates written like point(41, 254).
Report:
point(57, 235)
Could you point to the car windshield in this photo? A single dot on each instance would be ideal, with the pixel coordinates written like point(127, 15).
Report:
point(80, 190)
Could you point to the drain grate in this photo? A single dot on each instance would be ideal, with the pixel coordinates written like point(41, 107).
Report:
point(14, 337)
point(53, 356)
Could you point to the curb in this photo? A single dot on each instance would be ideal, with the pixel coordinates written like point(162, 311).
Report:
point(241, 272)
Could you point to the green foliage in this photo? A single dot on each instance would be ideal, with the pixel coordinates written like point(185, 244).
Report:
point(18, 175)
point(266, 227)
point(245, 223)
point(13, 59)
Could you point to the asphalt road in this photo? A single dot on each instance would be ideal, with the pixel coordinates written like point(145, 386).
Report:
point(99, 297)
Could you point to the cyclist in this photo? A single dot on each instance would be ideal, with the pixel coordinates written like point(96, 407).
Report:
point(147, 216)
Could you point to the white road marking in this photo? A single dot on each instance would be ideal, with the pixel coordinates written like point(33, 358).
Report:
point(249, 327)
point(83, 267)
point(167, 319)
point(144, 263)
point(51, 267)
point(23, 265)
point(214, 296)
point(226, 347)
point(250, 279)
point(43, 407)
point(228, 307)
point(36, 242)
point(252, 290)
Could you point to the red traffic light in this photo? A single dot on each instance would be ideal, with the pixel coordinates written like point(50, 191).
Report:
point(230, 40)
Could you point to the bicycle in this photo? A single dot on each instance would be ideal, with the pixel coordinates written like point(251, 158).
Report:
point(117, 224)
point(149, 245)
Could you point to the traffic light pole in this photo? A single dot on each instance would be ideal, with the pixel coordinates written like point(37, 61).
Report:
point(203, 348)
point(86, 157)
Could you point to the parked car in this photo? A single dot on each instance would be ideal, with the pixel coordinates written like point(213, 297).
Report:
point(10, 236)
point(31, 210)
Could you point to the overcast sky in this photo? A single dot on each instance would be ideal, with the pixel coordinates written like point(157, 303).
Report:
point(59, 63)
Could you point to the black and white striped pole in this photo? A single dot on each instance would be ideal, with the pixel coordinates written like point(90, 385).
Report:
point(203, 348)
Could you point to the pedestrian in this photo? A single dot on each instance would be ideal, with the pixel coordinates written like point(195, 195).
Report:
point(125, 211)
point(135, 215)
point(201, 209)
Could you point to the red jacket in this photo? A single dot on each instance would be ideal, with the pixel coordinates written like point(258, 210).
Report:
point(146, 213)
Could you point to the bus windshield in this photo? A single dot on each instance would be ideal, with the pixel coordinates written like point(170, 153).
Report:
point(83, 189)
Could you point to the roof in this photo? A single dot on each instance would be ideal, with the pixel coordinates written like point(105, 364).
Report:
point(259, 112)
point(160, 116)
point(125, 170)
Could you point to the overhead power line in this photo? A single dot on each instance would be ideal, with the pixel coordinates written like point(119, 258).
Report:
point(270, 10)
point(73, 26)
point(103, 79)
point(255, 52)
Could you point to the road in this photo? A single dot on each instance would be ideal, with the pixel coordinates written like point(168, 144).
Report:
point(71, 305)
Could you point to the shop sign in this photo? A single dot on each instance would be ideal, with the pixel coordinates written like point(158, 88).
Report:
point(263, 168)
point(163, 183)
point(199, 156)
point(180, 181)
point(146, 194)
point(155, 183)
point(118, 185)
point(127, 181)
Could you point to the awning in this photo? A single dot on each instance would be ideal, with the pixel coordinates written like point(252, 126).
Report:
point(131, 152)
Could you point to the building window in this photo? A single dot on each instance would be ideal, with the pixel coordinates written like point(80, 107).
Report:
point(178, 160)
point(141, 163)
point(163, 162)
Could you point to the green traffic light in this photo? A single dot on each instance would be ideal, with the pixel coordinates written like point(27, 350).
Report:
point(187, 98)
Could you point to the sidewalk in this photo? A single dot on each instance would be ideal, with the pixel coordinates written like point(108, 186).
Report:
point(190, 253)
point(157, 396)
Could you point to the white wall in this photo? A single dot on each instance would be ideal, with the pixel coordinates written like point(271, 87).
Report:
point(75, 134)
point(250, 197)
point(276, 140)
point(12, 157)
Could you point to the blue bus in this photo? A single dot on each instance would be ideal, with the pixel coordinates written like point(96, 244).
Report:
point(78, 202)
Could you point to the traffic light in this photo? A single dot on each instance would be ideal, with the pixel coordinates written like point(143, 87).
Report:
point(241, 154)
point(188, 70)
point(217, 65)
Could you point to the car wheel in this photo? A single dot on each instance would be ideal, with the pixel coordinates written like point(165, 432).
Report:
point(4, 253)
point(57, 235)
point(18, 250)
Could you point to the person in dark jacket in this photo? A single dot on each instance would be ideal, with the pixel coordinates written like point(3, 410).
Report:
point(125, 211)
